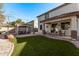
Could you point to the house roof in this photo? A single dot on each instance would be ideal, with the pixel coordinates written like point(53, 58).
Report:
point(62, 16)
point(54, 9)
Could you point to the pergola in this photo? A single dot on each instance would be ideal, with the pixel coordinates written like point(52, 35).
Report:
point(22, 29)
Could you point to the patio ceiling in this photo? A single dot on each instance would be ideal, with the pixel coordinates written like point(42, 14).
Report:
point(56, 21)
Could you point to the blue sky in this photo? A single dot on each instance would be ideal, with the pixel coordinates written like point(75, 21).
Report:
point(27, 11)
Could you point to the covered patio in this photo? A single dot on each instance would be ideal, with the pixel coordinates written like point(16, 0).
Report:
point(61, 27)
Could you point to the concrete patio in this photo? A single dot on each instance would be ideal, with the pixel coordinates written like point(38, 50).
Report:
point(6, 47)
point(66, 38)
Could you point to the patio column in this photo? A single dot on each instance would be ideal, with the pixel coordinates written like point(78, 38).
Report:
point(26, 29)
point(59, 28)
point(59, 25)
point(16, 29)
point(74, 27)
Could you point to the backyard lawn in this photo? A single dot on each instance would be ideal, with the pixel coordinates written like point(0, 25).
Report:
point(42, 46)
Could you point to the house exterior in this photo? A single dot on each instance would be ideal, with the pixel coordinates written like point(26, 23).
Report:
point(5, 28)
point(62, 20)
point(33, 25)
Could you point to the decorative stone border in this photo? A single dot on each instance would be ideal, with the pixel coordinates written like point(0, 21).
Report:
point(12, 48)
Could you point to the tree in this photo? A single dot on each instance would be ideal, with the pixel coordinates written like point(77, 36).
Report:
point(1, 6)
point(12, 23)
point(2, 17)
point(18, 21)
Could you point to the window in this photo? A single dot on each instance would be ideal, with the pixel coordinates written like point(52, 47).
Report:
point(46, 16)
point(40, 27)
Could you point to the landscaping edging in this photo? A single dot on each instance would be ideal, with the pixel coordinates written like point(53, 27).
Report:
point(11, 50)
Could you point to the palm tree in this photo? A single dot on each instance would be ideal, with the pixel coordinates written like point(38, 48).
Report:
point(1, 5)
point(2, 17)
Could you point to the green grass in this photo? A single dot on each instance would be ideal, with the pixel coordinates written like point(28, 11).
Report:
point(42, 46)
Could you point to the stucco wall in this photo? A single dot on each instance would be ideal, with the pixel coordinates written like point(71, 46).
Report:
point(66, 9)
point(41, 18)
point(74, 23)
point(78, 27)
point(48, 28)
